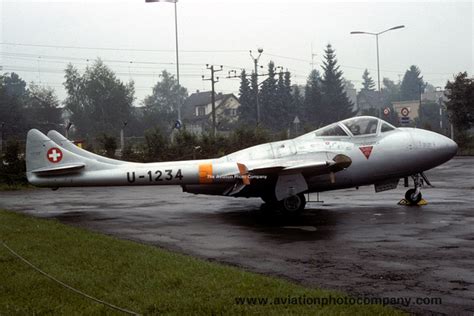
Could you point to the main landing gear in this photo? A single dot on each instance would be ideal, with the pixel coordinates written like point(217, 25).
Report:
point(292, 205)
point(414, 196)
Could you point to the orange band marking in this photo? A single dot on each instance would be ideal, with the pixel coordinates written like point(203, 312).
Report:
point(205, 173)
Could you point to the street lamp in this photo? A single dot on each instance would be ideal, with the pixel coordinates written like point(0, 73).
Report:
point(255, 61)
point(377, 43)
point(176, 44)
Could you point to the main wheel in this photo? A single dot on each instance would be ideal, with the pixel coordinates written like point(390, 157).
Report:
point(410, 196)
point(294, 204)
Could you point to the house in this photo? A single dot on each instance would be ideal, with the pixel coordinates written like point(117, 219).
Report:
point(407, 108)
point(197, 111)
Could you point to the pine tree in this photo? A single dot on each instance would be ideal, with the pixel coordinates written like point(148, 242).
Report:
point(268, 98)
point(297, 104)
point(280, 114)
point(287, 96)
point(312, 100)
point(247, 109)
point(412, 84)
point(368, 83)
point(336, 105)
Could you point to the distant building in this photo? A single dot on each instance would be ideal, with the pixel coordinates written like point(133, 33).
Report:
point(434, 96)
point(412, 106)
point(197, 111)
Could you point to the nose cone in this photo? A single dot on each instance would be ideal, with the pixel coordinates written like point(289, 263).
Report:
point(451, 146)
point(434, 148)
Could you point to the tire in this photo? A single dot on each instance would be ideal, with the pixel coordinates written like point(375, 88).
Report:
point(293, 205)
point(409, 196)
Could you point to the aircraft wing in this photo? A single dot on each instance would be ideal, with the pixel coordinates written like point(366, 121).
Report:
point(281, 167)
point(291, 174)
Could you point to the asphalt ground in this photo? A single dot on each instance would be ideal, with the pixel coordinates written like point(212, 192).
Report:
point(357, 241)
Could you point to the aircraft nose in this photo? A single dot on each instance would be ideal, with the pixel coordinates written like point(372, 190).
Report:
point(443, 147)
point(451, 146)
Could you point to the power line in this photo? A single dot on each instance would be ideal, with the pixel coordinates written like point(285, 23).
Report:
point(126, 49)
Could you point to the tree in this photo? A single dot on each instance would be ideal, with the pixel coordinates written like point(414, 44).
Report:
point(155, 145)
point(429, 118)
point(280, 112)
point(109, 144)
point(460, 105)
point(12, 164)
point(247, 109)
point(42, 107)
point(12, 99)
point(368, 100)
point(390, 92)
point(268, 99)
point(161, 107)
point(336, 105)
point(412, 84)
point(98, 100)
point(297, 101)
point(368, 83)
point(312, 100)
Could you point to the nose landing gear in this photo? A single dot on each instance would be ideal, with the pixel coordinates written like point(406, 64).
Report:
point(414, 196)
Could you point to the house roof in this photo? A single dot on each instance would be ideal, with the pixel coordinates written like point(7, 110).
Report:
point(202, 98)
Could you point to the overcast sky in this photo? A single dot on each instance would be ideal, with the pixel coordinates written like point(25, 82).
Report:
point(137, 39)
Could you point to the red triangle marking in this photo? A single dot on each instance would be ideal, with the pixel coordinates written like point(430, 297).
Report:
point(366, 150)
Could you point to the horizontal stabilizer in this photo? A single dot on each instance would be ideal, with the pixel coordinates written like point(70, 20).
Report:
point(62, 169)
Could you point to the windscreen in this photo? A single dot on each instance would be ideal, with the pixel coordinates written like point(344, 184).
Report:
point(331, 130)
point(362, 125)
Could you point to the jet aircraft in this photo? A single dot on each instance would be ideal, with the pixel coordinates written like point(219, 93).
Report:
point(354, 152)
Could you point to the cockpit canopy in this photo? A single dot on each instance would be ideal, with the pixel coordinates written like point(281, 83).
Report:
point(356, 126)
point(362, 125)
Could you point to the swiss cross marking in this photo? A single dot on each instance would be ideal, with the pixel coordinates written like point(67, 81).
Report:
point(366, 150)
point(54, 155)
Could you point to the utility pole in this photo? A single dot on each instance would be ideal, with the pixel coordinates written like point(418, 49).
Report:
point(213, 94)
point(312, 57)
point(255, 62)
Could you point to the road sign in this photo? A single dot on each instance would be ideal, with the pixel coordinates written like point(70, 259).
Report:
point(386, 111)
point(405, 111)
point(404, 120)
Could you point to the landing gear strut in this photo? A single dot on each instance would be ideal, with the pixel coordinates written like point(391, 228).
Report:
point(413, 196)
point(292, 205)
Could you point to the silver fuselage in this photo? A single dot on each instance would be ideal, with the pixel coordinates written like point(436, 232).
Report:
point(393, 154)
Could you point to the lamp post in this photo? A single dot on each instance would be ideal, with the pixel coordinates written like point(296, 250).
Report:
point(255, 61)
point(440, 103)
point(377, 44)
point(176, 44)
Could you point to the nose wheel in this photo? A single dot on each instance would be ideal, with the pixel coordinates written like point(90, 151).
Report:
point(414, 196)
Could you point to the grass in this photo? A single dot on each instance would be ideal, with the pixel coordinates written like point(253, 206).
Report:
point(137, 277)
point(14, 187)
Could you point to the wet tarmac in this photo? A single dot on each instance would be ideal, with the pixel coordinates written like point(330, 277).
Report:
point(357, 241)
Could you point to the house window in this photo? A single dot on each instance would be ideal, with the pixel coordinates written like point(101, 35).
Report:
point(201, 111)
point(233, 112)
